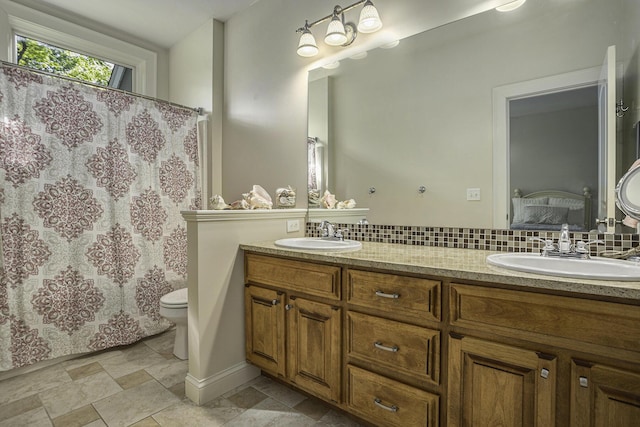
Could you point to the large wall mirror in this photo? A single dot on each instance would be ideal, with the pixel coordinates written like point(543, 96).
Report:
point(420, 116)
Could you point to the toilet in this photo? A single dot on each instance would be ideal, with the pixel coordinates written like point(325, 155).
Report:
point(173, 307)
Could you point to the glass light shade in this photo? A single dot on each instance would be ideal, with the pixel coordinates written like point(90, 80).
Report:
point(307, 46)
point(336, 35)
point(369, 19)
point(510, 6)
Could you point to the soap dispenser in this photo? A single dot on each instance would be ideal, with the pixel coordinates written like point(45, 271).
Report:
point(564, 243)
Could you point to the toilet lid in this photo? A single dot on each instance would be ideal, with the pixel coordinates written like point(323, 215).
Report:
point(177, 297)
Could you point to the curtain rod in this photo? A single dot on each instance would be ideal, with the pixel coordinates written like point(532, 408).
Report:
point(198, 110)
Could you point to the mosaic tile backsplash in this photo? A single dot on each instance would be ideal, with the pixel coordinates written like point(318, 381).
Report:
point(474, 238)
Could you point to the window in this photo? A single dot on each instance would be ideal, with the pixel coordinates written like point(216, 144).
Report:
point(38, 55)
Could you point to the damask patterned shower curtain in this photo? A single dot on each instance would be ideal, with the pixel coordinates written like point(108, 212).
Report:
point(92, 182)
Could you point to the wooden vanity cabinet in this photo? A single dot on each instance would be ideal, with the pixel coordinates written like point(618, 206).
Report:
point(588, 374)
point(404, 350)
point(393, 348)
point(289, 333)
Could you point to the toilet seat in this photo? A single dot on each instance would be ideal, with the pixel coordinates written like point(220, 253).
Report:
point(175, 299)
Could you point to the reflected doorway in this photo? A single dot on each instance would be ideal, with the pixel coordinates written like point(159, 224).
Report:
point(553, 142)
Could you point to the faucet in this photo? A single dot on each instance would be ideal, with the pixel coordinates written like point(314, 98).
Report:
point(327, 229)
point(564, 247)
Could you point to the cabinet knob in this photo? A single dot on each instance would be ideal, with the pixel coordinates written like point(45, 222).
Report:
point(584, 382)
point(544, 373)
point(274, 302)
point(288, 307)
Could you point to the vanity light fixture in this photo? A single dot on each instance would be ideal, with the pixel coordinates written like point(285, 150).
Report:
point(508, 7)
point(339, 32)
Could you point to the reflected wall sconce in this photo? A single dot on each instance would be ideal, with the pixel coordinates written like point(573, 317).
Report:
point(339, 32)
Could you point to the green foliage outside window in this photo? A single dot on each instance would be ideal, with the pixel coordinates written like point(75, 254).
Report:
point(41, 56)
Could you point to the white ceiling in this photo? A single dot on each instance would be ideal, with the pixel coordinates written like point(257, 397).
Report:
point(161, 22)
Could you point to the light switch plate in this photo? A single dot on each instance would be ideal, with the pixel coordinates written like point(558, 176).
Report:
point(473, 194)
point(293, 225)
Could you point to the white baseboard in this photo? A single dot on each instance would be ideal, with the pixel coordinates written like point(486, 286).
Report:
point(202, 391)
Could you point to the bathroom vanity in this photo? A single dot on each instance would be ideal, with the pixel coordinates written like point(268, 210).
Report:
point(411, 335)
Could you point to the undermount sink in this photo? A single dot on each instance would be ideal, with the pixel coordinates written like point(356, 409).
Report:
point(595, 268)
point(318, 243)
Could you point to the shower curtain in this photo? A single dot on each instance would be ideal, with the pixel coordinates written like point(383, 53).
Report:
point(92, 182)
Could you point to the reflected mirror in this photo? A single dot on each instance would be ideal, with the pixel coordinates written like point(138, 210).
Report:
point(628, 195)
point(420, 116)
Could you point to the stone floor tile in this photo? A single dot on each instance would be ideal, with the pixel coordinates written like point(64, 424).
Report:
point(162, 343)
point(270, 412)
point(35, 418)
point(77, 418)
point(96, 423)
point(335, 418)
point(135, 404)
point(186, 413)
point(178, 390)
point(85, 370)
point(133, 379)
point(247, 398)
point(279, 392)
point(31, 383)
point(67, 397)
point(313, 408)
point(131, 359)
point(169, 372)
point(17, 407)
point(147, 422)
point(89, 358)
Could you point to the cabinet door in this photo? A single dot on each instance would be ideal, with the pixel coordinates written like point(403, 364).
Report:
point(602, 396)
point(264, 329)
point(493, 384)
point(314, 352)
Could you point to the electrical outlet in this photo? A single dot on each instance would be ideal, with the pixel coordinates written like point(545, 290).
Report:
point(293, 225)
point(473, 194)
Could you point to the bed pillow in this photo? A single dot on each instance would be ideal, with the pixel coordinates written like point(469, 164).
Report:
point(576, 209)
point(545, 214)
point(519, 204)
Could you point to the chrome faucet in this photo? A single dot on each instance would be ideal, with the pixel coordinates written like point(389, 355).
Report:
point(327, 229)
point(564, 247)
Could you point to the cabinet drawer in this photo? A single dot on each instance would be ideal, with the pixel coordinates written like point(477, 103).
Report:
point(387, 402)
point(402, 295)
point(594, 322)
point(396, 346)
point(313, 279)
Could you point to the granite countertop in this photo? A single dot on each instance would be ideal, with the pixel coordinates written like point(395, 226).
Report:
point(464, 264)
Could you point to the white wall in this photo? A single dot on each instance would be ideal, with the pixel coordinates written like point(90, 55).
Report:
point(196, 79)
point(266, 97)
point(265, 125)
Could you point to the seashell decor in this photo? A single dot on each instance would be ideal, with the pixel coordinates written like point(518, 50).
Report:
point(217, 203)
point(258, 198)
point(329, 201)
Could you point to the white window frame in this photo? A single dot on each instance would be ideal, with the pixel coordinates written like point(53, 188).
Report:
point(60, 33)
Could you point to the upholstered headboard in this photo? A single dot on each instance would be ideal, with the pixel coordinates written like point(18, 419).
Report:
point(544, 209)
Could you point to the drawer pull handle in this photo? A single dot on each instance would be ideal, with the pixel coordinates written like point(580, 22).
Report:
point(392, 408)
point(380, 346)
point(386, 295)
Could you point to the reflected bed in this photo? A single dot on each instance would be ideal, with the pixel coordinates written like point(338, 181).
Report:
point(549, 209)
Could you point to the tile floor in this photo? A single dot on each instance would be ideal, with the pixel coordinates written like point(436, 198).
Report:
point(143, 385)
